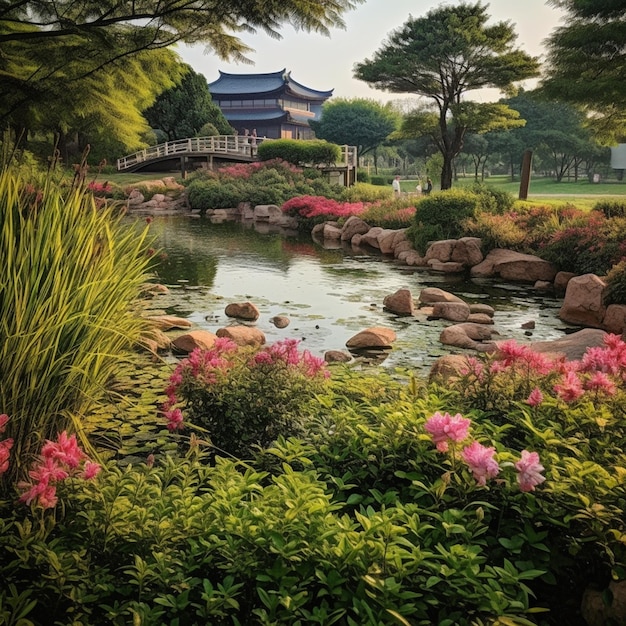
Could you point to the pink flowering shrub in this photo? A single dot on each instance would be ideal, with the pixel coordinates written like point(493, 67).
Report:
point(59, 460)
point(100, 190)
point(242, 398)
point(320, 206)
point(449, 432)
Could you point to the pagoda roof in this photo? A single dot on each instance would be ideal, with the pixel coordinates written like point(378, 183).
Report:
point(239, 84)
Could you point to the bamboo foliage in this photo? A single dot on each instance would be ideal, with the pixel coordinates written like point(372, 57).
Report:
point(69, 274)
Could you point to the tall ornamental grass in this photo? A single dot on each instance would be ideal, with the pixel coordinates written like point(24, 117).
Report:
point(69, 272)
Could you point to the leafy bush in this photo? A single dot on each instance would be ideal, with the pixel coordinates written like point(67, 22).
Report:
point(269, 182)
point(381, 180)
point(616, 284)
point(391, 213)
point(69, 273)
point(364, 192)
point(611, 208)
point(591, 244)
point(309, 207)
point(244, 399)
point(442, 215)
point(363, 177)
point(300, 152)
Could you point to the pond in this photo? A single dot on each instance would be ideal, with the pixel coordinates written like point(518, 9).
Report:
point(328, 291)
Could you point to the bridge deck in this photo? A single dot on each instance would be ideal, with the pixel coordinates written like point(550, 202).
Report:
point(236, 147)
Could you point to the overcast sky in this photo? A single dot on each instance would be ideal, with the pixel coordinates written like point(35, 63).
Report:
point(325, 63)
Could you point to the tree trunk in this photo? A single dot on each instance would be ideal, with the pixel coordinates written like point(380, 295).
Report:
point(446, 171)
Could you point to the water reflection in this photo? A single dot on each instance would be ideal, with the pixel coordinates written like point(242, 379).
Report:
point(328, 294)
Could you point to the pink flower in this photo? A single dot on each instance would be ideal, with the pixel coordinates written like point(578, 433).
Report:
point(91, 470)
point(4, 418)
point(570, 389)
point(599, 381)
point(445, 428)
point(535, 398)
point(480, 460)
point(174, 419)
point(5, 453)
point(64, 450)
point(529, 471)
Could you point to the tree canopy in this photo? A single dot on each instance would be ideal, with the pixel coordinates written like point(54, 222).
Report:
point(442, 56)
point(49, 46)
point(360, 122)
point(181, 111)
point(586, 63)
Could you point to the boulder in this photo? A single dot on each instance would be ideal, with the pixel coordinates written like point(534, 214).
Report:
point(318, 230)
point(401, 246)
point(400, 302)
point(543, 285)
point(595, 609)
point(448, 366)
point(479, 318)
point(583, 303)
point(353, 226)
point(514, 266)
point(479, 307)
point(434, 294)
point(167, 322)
point(337, 356)
point(614, 320)
point(412, 258)
point(570, 347)
point(371, 237)
point(440, 250)
point(188, 342)
point(452, 311)
point(242, 310)
point(386, 240)
point(331, 232)
point(375, 337)
point(243, 335)
point(280, 321)
point(466, 335)
point(446, 267)
point(560, 281)
point(267, 212)
point(467, 251)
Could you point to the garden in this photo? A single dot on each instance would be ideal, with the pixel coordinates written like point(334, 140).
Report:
point(263, 486)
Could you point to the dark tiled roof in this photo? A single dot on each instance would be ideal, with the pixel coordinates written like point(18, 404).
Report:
point(232, 84)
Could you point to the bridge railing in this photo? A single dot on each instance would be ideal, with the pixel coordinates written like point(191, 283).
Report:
point(235, 145)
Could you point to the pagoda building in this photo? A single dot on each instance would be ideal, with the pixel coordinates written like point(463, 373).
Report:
point(269, 105)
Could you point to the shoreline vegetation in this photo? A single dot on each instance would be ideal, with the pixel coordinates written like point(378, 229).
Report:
point(262, 486)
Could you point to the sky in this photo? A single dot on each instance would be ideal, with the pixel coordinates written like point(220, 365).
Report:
point(325, 63)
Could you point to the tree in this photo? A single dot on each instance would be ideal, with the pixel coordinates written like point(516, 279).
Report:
point(181, 111)
point(359, 122)
point(443, 56)
point(47, 43)
point(586, 64)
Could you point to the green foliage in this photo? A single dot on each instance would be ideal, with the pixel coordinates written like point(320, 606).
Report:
point(245, 398)
point(442, 216)
point(611, 208)
point(582, 67)
point(266, 182)
point(69, 272)
point(182, 110)
point(441, 56)
point(365, 192)
point(363, 177)
point(356, 122)
point(300, 152)
point(616, 284)
point(493, 199)
point(381, 180)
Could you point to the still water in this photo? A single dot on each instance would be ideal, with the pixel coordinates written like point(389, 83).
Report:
point(328, 293)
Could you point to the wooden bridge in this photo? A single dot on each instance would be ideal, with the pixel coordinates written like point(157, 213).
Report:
point(197, 152)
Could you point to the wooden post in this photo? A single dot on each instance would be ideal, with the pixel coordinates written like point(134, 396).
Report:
point(527, 159)
point(183, 171)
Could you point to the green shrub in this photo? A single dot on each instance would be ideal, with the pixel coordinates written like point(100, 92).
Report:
point(244, 399)
point(363, 177)
point(497, 231)
point(69, 273)
point(442, 216)
point(494, 200)
point(300, 152)
point(364, 192)
point(214, 194)
point(616, 284)
point(381, 180)
point(611, 208)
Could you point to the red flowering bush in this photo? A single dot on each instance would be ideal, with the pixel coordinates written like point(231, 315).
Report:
point(243, 398)
point(319, 206)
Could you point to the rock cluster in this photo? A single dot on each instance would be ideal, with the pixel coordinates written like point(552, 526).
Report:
point(169, 197)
